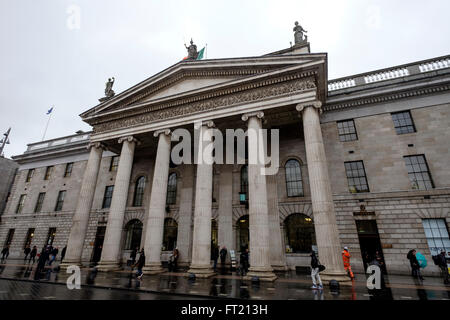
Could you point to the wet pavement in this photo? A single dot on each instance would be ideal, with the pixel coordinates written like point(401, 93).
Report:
point(288, 286)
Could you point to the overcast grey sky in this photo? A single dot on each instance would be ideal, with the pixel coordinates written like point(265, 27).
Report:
point(46, 60)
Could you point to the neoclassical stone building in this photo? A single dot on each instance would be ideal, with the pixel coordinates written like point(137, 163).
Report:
point(364, 163)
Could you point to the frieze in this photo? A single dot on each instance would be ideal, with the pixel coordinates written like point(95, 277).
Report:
point(213, 103)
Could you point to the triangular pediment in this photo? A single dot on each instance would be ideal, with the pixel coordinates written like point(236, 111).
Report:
point(188, 78)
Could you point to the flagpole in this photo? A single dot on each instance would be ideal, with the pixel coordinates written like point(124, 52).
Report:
point(48, 121)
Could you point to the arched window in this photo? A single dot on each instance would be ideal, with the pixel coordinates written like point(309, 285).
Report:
point(139, 192)
point(294, 184)
point(244, 179)
point(300, 235)
point(172, 189)
point(134, 234)
point(170, 234)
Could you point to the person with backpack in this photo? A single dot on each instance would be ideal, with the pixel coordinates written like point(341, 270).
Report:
point(315, 272)
point(415, 267)
point(441, 262)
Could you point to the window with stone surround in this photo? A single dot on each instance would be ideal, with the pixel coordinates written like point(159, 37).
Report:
point(170, 234)
point(51, 236)
point(10, 237)
point(133, 234)
point(403, 122)
point(294, 184)
point(347, 130)
point(29, 175)
point(172, 189)
point(356, 177)
point(300, 234)
point(437, 236)
point(418, 172)
point(114, 163)
point(21, 203)
point(39, 202)
point(29, 237)
point(244, 180)
point(139, 192)
point(60, 200)
point(107, 197)
point(48, 172)
point(68, 171)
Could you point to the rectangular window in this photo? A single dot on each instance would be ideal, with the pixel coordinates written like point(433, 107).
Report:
point(39, 202)
point(51, 236)
point(403, 122)
point(68, 170)
point(60, 200)
point(437, 235)
point(29, 237)
point(356, 177)
point(10, 237)
point(48, 172)
point(29, 175)
point(114, 163)
point(347, 130)
point(21, 203)
point(108, 197)
point(418, 172)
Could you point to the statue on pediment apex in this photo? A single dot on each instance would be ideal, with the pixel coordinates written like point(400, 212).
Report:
point(109, 92)
point(192, 51)
point(298, 34)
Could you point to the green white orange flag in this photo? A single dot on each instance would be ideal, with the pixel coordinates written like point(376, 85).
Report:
point(200, 54)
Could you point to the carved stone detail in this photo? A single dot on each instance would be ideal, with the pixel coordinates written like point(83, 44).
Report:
point(129, 139)
point(250, 95)
point(96, 145)
point(258, 114)
point(167, 132)
point(316, 104)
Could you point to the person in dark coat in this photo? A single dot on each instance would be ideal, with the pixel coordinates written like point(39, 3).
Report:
point(215, 256)
point(223, 256)
point(140, 265)
point(42, 262)
point(63, 253)
point(244, 261)
point(415, 267)
point(173, 261)
point(26, 251)
point(53, 254)
point(442, 263)
point(315, 271)
point(5, 252)
point(33, 254)
point(133, 255)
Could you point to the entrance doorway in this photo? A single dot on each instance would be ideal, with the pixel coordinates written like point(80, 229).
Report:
point(98, 244)
point(243, 233)
point(369, 241)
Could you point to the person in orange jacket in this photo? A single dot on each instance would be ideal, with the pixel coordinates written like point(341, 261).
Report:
point(346, 257)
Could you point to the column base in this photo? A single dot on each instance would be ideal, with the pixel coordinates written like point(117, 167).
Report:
point(67, 264)
point(341, 277)
point(264, 274)
point(108, 266)
point(153, 268)
point(279, 268)
point(201, 271)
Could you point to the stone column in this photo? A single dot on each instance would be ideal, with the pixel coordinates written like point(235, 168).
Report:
point(80, 219)
point(327, 235)
point(110, 259)
point(226, 208)
point(157, 208)
point(201, 246)
point(277, 252)
point(260, 265)
point(184, 235)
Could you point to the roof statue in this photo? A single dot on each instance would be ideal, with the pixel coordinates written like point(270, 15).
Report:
point(192, 51)
point(298, 34)
point(109, 92)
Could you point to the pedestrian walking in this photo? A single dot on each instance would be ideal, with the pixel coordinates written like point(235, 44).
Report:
point(42, 261)
point(415, 267)
point(346, 258)
point(5, 253)
point(33, 254)
point(173, 261)
point(133, 255)
point(63, 253)
point(244, 262)
point(53, 254)
point(215, 256)
point(317, 282)
point(223, 256)
point(442, 263)
point(140, 265)
point(26, 251)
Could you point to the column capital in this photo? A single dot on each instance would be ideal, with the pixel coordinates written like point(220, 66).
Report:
point(129, 139)
point(258, 114)
point(99, 145)
point(315, 104)
point(209, 124)
point(167, 132)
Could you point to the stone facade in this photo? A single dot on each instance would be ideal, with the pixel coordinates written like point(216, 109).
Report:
point(392, 202)
point(8, 170)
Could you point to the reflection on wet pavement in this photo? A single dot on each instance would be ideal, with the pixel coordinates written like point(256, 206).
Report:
point(289, 286)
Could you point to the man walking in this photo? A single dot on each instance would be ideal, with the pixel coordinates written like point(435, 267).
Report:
point(215, 256)
point(33, 254)
point(5, 252)
point(346, 258)
point(140, 265)
point(53, 253)
point(415, 267)
point(223, 257)
point(442, 263)
point(26, 252)
point(315, 272)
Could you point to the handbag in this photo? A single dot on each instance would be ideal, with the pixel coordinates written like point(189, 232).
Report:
point(321, 267)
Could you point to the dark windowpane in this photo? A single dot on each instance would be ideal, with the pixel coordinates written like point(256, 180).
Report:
point(134, 234)
point(29, 237)
point(68, 170)
point(108, 197)
point(244, 179)
point(39, 202)
point(294, 183)
point(347, 130)
point(356, 177)
point(170, 234)
point(403, 122)
point(48, 172)
point(114, 163)
point(21, 203)
point(418, 172)
point(60, 200)
point(139, 192)
point(299, 233)
point(172, 189)
point(30, 175)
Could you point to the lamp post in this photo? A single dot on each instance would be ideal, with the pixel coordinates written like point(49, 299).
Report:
point(4, 141)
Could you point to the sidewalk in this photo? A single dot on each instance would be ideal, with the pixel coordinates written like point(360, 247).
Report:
point(288, 286)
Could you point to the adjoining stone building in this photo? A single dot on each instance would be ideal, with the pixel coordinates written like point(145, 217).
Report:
point(8, 169)
point(363, 163)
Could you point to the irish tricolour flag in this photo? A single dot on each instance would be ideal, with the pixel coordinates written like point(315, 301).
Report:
point(200, 55)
